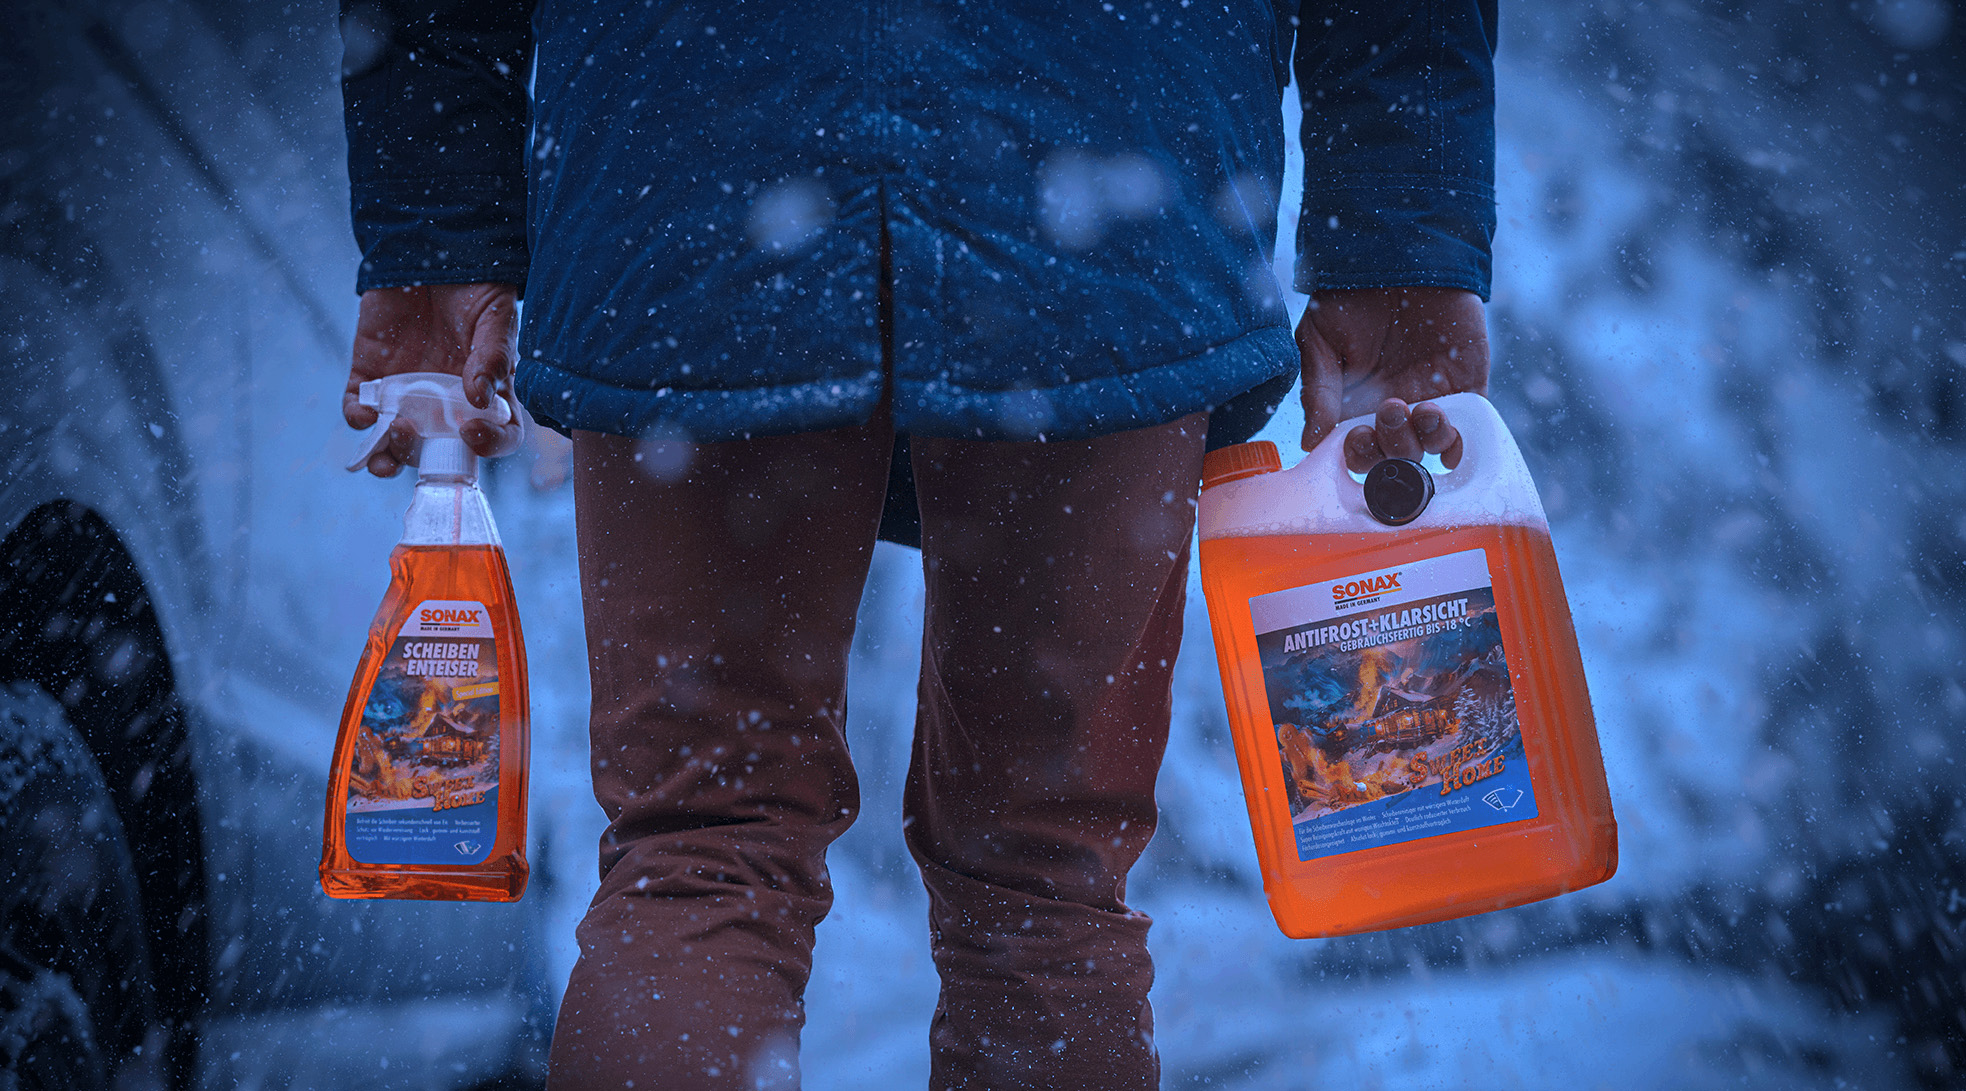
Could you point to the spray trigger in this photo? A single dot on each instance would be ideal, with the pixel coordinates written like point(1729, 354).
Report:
point(434, 405)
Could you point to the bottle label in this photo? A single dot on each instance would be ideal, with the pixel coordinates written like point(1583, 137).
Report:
point(1395, 718)
point(424, 785)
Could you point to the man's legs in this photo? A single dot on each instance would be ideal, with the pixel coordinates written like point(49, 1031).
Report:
point(1056, 576)
point(720, 597)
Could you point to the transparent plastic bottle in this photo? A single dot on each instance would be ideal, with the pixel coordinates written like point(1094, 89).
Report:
point(427, 791)
point(1406, 698)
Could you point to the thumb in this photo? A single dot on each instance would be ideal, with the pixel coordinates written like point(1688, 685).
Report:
point(1324, 385)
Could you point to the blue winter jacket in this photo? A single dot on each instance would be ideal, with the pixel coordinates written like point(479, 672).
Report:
point(1071, 202)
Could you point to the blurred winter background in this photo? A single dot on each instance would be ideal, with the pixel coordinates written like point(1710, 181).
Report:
point(1730, 333)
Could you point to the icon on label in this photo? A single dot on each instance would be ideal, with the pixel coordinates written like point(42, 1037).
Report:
point(470, 848)
point(1503, 798)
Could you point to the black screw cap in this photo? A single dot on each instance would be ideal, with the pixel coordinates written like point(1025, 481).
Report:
point(1397, 490)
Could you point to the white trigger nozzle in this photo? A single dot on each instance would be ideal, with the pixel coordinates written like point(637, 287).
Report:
point(434, 405)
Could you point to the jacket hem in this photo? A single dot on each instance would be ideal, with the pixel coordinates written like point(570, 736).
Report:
point(1310, 281)
point(565, 401)
point(1142, 399)
point(403, 278)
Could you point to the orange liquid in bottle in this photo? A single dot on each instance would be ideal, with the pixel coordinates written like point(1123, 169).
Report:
point(1570, 843)
point(421, 751)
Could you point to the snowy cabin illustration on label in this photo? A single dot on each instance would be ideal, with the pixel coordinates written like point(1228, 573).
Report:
point(423, 787)
point(1394, 714)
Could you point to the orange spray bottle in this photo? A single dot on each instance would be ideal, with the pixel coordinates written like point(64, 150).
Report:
point(427, 793)
point(1403, 683)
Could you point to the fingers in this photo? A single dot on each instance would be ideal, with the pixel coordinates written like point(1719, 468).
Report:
point(354, 412)
point(488, 440)
point(1394, 424)
point(1390, 435)
point(396, 452)
point(1400, 431)
point(1437, 434)
point(1362, 450)
point(485, 439)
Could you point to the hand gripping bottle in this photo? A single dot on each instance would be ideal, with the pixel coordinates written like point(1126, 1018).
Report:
point(1403, 683)
point(427, 794)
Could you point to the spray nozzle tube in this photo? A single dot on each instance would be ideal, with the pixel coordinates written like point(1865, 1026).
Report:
point(434, 406)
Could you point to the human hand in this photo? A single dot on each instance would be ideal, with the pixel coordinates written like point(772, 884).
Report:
point(1382, 349)
point(468, 330)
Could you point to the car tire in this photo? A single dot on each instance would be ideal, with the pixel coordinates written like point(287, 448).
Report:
point(77, 1002)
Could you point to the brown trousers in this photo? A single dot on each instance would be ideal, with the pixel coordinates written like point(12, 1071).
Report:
point(721, 583)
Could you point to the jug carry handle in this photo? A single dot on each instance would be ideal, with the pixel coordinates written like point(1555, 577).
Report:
point(1482, 438)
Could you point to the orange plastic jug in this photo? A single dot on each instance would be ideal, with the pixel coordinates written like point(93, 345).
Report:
point(1403, 683)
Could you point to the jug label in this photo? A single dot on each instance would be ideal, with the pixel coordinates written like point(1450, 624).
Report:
point(1394, 715)
point(424, 785)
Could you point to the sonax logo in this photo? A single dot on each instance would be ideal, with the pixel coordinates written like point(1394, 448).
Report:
point(434, 615)
point(1344, 594)
point(437, 617)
